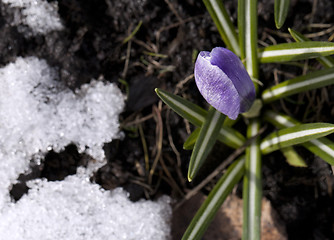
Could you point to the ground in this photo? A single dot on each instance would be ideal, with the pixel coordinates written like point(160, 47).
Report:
point(150, 161)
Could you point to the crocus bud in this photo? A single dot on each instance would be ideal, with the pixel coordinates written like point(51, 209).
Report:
point(224, 82)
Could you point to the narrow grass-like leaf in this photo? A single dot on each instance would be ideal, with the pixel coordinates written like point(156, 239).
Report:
point(190, 142)
point(281, 12)
point(196, 115)
point(231, 137)
point(224, 24)
point(230, 122)
point(322, 147)
point(241, 28)
point(128, 38)
point(293, 158)
point(184, 108)
point(295, 135)
point(299, 84)
point(285, 52)
point(297, 36)
point(252, 186)
point(280, 120)
point(247, 25)
point(255, 110)
point(205, 141)
point(217, 196)
point(325, 61)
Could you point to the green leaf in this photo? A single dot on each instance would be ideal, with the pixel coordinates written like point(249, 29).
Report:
point(184, 108)
point(247, 25)
point(280, 120)
point(255, 109)
point(298, 37)
point(205, 141)
point(322, 147)
point(325, 61)
point(281, 11)
point(128, 38)
point(231, 137)
point(190, 142)
point(217, 196)
point(230, 122)
point(196, 115)
point(252, 186)
point(293, 158)
point(223, 23)
point(299, 84)
point(295, 135)
point(285, 52)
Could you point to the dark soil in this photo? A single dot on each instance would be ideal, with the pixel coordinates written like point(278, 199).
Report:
point(92, 46)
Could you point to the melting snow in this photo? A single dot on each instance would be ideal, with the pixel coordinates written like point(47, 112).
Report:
point(39, 15)
point(75, 209)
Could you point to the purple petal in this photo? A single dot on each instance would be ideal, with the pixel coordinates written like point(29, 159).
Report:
point(231, 65)
point(224, 82)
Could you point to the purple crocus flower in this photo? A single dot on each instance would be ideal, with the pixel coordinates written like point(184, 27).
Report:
point(224, 82)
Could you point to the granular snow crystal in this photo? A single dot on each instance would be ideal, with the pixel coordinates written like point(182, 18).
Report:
point(39, 15)
point(37, 113)
point(75, 209)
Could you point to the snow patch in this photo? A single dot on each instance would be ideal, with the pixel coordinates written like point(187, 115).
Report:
point(38, 113)
point(39, 15)
point(76, 209)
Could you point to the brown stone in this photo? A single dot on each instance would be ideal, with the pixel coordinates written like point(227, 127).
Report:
point(227, 224)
